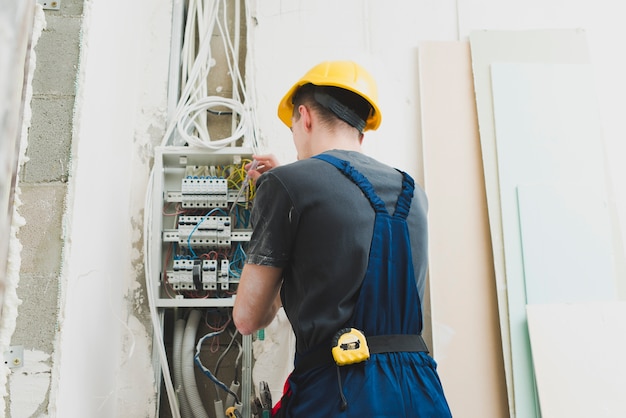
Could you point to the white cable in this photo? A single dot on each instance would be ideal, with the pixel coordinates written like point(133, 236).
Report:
point(177, 356)
point(198, 68)
point(199, 107)
point(250, 80)
point(189, 377)
point(190, 116)
point(192, 103)
point(219, 409)
point(239, 87)
point(156, 323)
point(236, 55)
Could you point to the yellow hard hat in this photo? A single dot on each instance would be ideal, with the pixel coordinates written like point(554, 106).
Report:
point(343, 74)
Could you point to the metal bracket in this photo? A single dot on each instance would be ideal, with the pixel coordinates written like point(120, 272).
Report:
point(14, 356)
point(50, 5)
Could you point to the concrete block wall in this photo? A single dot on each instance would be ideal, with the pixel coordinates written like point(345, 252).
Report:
point(43, 185)
point(43, 182)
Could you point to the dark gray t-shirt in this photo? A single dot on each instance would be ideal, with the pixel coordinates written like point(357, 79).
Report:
point(316, 224)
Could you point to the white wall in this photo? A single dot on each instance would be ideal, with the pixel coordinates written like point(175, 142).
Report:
point(103, 357)
point(103, 362)
point(293, 36)
point(605, 32)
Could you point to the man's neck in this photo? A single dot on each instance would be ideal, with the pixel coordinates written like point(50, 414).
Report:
point(329, 140)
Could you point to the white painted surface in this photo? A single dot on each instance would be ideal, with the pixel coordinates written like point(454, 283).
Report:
point(103, 359)
point(271, 355)
point(489, 49)
point(566, 243)
point(604, 32)
point(29, 383)
point(547, 132)
point(291, 37)
point(579, 377)
point(10, 301)
point(121, 94)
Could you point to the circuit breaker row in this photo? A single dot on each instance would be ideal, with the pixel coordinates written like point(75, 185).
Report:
point(203, 232)
point(200, 274)
point(204, 238)
point(204, 192)
point(213, 232)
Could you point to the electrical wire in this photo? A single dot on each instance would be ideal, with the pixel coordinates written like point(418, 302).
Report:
point(221, 357)
point(190, 112)
point(193, 110)
point(206, 371)
point(237, 261)
point(154, 316)
point(190, 116)
point(204, 218)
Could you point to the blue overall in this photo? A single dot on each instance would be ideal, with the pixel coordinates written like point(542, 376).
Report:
point(394, 384)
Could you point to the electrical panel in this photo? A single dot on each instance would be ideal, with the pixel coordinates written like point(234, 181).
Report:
point(197, 220)
point(201, 203)
point(199, 217)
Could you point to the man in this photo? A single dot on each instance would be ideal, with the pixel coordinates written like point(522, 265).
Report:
point(340, 240)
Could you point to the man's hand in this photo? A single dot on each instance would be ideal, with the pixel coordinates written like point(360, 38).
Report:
point(264, 163)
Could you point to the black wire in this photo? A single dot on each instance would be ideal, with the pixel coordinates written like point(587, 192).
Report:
point(221, 357)
point(218, 113)
point(344, 402)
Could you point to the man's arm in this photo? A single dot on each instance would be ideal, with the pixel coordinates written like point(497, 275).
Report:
point(258, 297)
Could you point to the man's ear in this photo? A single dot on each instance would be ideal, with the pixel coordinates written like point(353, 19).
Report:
point(306, 116)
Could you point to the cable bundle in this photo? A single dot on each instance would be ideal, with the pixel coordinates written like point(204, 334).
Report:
point(190, 120)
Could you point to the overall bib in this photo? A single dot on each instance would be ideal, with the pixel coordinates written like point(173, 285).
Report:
point(394, 382)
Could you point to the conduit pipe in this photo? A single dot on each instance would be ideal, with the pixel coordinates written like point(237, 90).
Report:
point(177, 354)
point(235, 74)
point(189, 377)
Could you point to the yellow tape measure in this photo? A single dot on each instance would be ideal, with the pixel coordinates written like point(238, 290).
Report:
point(233, 412)
point(350, 347)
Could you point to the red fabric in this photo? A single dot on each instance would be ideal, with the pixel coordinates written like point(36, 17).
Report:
point(286, 394)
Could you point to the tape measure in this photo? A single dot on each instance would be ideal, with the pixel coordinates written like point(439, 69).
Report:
point(350, 347)
point(233, 412)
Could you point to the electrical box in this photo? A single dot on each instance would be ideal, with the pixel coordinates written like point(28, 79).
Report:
point(197, 220)
point(201, 204)
point(199, 216)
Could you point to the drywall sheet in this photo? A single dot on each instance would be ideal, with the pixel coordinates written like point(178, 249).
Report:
point(466, 335)
point(566, 243)
point(578, 350)
point(547, 131)
point(487, 47)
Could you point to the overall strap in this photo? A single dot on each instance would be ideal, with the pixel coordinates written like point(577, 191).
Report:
point(359, 179)
point(403, 204)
